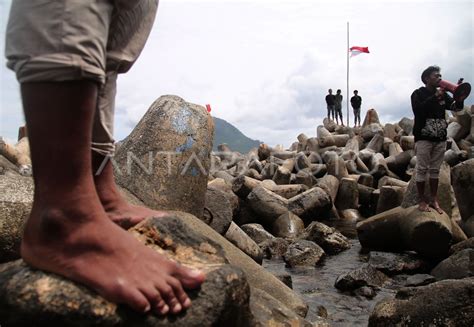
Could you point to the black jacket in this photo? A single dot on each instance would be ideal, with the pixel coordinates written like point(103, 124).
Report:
point(356, 101)
point(430, 116)
point(330, 99)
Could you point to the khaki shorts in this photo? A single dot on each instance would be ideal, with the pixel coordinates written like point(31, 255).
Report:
point(64, 40)
point(429, 157)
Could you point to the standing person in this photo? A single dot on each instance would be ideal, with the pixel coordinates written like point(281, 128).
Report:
point(430, 129)
point(356, 102)
point(330, 100)
point(338, 106)
point(66, 56)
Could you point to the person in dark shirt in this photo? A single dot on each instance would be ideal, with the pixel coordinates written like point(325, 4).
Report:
point(338, 106)
point(330, 100)
point(356, 102)
point(429, 104)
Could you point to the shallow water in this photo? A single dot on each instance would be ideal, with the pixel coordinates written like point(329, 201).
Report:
point(316, 284)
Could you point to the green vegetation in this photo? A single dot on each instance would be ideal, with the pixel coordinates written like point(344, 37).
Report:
point(235, 139)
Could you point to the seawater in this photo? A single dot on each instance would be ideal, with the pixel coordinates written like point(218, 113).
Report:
point(316, 284)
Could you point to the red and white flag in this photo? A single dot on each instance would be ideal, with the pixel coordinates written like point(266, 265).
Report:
point(358, 50)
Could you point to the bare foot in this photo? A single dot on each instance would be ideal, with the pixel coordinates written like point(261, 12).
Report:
point(117, 208)
point(423, 206)
point(435, 205)
point(79, 242)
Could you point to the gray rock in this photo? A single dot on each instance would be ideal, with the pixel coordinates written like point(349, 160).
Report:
point(445, 303)
point(406, 124)
point(28, 295)
point(327, 237)
point(310, 204)
point(274, 248)
point(257, 233)
point(347, 195)
point(217, 211)
point(267, 204)
point(365, 291)
point(166, 159)
point(444, 190)
point(420, 280)
point(268, 311)
point(395, 263)
point(468, 226)
point(427, 233)
point(303, 253)
point(463, 184)
point(366, 275)
point(369, 131)
point(241, 240)
point(285, 278)
point(257, 276)
point(467, 244)
point(16, 199)
point(288, 225)
point(459, 265)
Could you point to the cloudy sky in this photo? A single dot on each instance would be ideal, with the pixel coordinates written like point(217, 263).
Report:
point(265, 66)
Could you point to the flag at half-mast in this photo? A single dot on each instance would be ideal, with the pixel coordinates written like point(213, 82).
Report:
point(358, 50)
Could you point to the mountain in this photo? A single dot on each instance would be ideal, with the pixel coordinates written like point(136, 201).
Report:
point(225, 132)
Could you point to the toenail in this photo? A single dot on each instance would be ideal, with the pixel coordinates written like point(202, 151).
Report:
point(177, 308)
point(187, 303)
point(195, 273)
point(165, 309)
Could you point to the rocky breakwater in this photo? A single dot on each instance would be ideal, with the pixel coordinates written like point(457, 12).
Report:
point(237, 291)
point(344, 175)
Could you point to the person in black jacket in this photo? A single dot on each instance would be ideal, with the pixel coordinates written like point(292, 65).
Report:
point(429, 104)
point(356, 102)
point(330, 101)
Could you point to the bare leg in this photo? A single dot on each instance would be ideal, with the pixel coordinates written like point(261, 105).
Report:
point(120, 211)
point(422, 204)
point(434, 195)
point(68, 231)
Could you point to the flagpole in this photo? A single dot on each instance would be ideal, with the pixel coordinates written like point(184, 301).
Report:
point(347, 84)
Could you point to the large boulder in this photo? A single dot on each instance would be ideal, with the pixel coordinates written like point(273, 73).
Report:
point(16, 199)
point(427, 233)
point(462, 176)
point(28, 295)
point(459, 265)
point(217, 210)
point(257, 233)
point(166, 159)
point(398, 229)
point(445, 303)
point(444, 190)
point(241, 240)
point(288, 225)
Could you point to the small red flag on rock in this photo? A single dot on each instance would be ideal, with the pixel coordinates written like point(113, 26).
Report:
point(208, 107)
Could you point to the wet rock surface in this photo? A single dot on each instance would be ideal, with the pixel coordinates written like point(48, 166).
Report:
point(398, 263)
point(303, 253)
point(328, 238)
point(445, 303)
point(366, 275)
point(458, 265)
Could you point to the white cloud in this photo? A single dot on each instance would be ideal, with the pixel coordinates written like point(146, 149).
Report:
point(265, 66)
